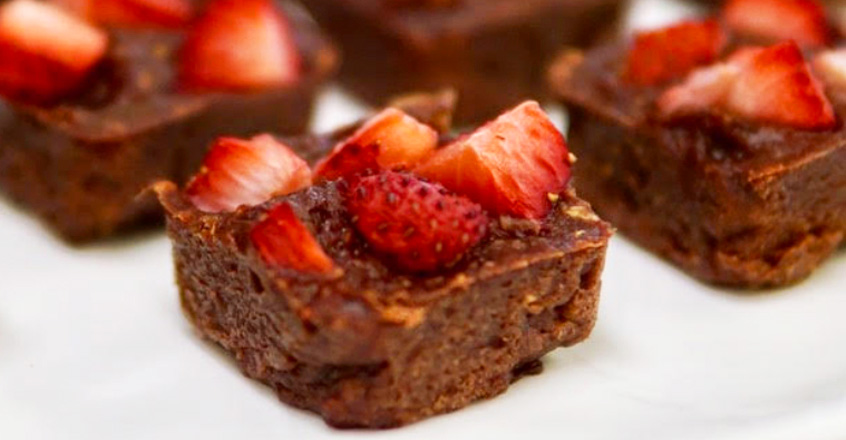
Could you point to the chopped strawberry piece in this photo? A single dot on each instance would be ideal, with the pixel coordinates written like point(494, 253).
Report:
point(419, 225)
point(239, 45)
point(803, 21)
point(45, 52)
point(669, 53)
point(246, 172)
point(768, 85)
point(389, 140)
point(283, 240)
point(133, 13)
point(831, 65)
point(509, 165)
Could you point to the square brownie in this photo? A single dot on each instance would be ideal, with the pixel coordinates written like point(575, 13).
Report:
point(728, 163)
point(337, 324)
point(80, 163)
point(492, 52)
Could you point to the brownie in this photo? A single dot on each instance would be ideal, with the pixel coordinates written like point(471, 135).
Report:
point(492, 52)
point(80, 164)
point(377, 347)
point(730, 201)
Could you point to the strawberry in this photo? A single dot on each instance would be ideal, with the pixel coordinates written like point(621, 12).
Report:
point(831, 65)
point(767, 85)
point(45, 52)
point(509, 165)
point(239, 45)
point(419, 225)
point(284, 241)
point(246, 172)
point(669, 53)
point(389, 140)
point(133, 13)
point(803, 21)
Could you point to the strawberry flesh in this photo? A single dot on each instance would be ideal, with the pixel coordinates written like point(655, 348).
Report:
point(284, 241)
point(246, 172)
point(239, 45)
point(803, 21)
point(509, 165)
point(669, 53)
point(389, 140)
point(831, 66)
point(133, 13)
point(419, 225)
point(46, 53)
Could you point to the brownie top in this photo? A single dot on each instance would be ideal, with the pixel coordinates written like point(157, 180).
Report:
point(593, 83)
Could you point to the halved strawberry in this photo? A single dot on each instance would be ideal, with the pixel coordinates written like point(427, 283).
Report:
point(283, 240)
point(831, 65)
point(803, 21)
point(246, 172)
point(44, 51)
point(669, 53)
point(419, 225)
point(509, 165)
point(239, 45)
point(389, 140)
point(768, 85)
point(133, 13)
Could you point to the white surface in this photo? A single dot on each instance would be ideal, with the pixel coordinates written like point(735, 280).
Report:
point(93, 346)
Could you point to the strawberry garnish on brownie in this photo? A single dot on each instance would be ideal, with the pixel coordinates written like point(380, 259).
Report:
point(772, 85)
point(669, 53)
point(246, 172)
point(283, 240)
point(803, 21)
point(46, 52)
point(389, 140)
point(133, 13)
point(239, 45)
point(420, 225)
point(510, 165)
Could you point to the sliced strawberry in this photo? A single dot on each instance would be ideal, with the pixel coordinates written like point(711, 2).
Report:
point(239, 45)
point(419, 225)
point(389, 140)
point(283, 240)
point(246, 172)
point(803, 21)
point(133, 13)
point(510, 165)
point(45, 51)
point(767, 85)
point(669, 53)
point(831, 65)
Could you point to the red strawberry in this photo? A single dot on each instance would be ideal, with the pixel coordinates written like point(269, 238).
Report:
point(831, 65)
point(239, 45)
point(420, 225)
point(768, 85)
point(389, 140)
point(283, 240)
point(509, 165)
point(803, 21)
point(133, 13)
point(669, 53)
point(246, 172)
point(45, 52)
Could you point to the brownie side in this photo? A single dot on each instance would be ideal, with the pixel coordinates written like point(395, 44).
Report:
point(374, 348)
point(494, 57)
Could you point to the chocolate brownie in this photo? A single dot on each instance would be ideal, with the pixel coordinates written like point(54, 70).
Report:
point(79, 163)
point(376, 340)
point(492, 52)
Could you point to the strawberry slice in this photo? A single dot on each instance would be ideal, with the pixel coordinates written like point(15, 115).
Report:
point(133, 13)
point(389, 140)
point(803, 21)
point(768, 85)
point(284, 241)
point(831, 66)
point(45, 52)
point(246, 172)
point(419, 225)
point(669, 53)
point(510, 165)
point(239, 45)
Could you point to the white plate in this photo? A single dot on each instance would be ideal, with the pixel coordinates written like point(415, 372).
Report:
point(93, 346)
